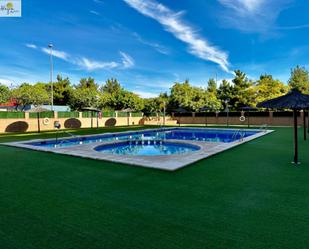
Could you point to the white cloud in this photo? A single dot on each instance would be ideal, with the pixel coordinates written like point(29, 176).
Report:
point(174, 24)
point(159, 48)
point(29, 45)
point(59, 54)
point(127, 60)
point(6, 82)
point(94, 12)
point(92, 65)
point(256, 16)
point(89, 64)
point(146, 94)
point(243, 5)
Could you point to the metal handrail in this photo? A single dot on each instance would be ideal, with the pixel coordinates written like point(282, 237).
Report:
point(241, 132)
point(263, 127)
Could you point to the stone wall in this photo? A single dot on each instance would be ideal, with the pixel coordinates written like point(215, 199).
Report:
point(270, 120)
point(34, 124)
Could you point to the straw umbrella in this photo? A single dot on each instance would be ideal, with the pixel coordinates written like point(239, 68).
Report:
point(38, 110)
point(205, 109)
point(293, 100)
point(128, 110)
point(92, 110)
point(180, 110)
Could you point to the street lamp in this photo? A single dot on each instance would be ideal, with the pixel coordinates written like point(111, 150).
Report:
point(50, 46)
point(227, 111)
point(164, 110)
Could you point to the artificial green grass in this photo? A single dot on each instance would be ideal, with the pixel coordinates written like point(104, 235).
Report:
point(247, 197)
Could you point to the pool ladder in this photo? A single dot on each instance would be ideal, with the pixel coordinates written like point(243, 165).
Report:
point(240, 132)
point(263, 128)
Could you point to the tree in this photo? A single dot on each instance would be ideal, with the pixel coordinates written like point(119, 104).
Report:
point(84, 97)
point(267, 88)
point(87, 83)
point(4, 94)
point(212, 86)
point(112, 86)
point(299, 79)
point(132, 101)
point(85, 94)
point(62, 91)
point(242, 91)
point(115, 97)
point(27, 94)
point(225, 92)
point(192, 98)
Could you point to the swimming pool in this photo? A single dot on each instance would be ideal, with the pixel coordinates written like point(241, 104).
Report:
point(140, 148)
point(187, 134)
point(147, 148)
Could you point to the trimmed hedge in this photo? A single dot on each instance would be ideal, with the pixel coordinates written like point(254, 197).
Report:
point(88, 114)
point(5, 115)
point(136, 114)
point(108, 114)
point(123, 114)
point(42, 114)
point(68, 114)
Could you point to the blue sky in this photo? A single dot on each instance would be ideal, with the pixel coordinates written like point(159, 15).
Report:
point(148, 45)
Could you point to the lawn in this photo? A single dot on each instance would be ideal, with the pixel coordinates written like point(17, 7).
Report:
point(247, 197)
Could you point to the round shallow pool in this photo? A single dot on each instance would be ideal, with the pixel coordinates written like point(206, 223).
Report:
point(147, 148)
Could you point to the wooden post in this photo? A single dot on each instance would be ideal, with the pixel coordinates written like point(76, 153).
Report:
point(91, 119)
point(295, 137)
point(39, 125)
point(304, 119)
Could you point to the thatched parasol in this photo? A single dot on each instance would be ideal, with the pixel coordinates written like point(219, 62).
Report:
point(181, 111)
point(293, 100)
point(92, 110)
point(38, 110)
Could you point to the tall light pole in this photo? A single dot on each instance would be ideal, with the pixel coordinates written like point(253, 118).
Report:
point(164, 110)
point(50, 46)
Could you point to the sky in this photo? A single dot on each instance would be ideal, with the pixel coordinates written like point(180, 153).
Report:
point(148, 45)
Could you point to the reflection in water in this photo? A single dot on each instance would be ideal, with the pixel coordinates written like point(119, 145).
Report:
point(147, 148)
point(210, 135)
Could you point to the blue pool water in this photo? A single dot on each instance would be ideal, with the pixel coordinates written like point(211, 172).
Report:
point(146, 148)
point(207, 135)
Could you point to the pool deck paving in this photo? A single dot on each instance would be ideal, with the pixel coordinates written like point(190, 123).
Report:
point(162, 162)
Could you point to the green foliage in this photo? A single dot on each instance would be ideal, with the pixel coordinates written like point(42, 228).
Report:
point(225, 92)
point(85, 94)
point(62, 91)
point(212, 86)
point(87, 83)
point(114, 97)
point(4, 94)
point(242, 91)
point(84, 97)
point(267, 88)
point(299, 79)
point(27, 94)
point(192, 98)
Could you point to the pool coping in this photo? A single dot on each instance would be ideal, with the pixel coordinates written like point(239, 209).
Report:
point(162, 162)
